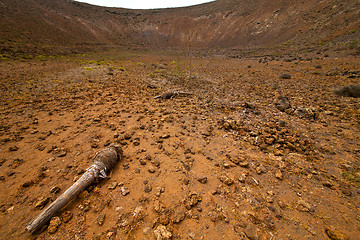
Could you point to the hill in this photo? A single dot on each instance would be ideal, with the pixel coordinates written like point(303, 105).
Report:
point(255, 134)
point(220, 24)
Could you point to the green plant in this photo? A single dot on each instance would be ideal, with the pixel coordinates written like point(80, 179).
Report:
point(41, 57)
point(350, 177)
point(353, 31)
point(353, 44)
point(4, 57)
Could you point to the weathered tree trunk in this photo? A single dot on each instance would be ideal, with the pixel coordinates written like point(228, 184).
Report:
point(171, 94)
point(104, 162)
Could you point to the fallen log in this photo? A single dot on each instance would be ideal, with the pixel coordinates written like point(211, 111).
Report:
point(103, 162)
point(171, 94)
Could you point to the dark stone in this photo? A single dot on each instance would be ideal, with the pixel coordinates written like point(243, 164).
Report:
point(335, 234)
point(202, 179)
point(283, 103)
point(148, 188)
point(285, 76)
point(66, 216)
point(349, 91)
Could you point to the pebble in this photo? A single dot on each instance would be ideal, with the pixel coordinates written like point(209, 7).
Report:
point(66, 216)
point(136, 142)
point(244, 164)
point(128, 135)
point(304, 206)
point(226, 179)
point(28, 183)
point(107, 143)
point(260, 170)
point(346, 190)
point(281, 204)
point(335, 234)
point(346, 167)
point(126, 165)
point(328, 184)
point(158, 206)
point(155, 162)
point(101, 219)
point(62, 153)
point(165, 136)
point(151, 169)
point(94, 145)
point(283, 104)
point(269, 141)
point(330, 113)
point(162, 233)
point(55, 222)
point(55, 190)
point(13, 148)
point(147, 231)
point(235, 160)
point(202, 179)
point(191, 235)
point(41, 148)
point(112, 185)
point(278, 174)
point(285, 76)
point(148, 188)
point(96, 120)
point(226, 165)
point(41, 202)
point(179, 214)
point(10, 209)
point(159, 190)
point(242, 178)
point(192, 199)
point(124, 191)
point(110, 234)
point(251, 231)
point(164, 219)
point(186, 181)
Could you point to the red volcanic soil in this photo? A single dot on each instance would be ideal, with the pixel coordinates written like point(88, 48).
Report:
point(260, 148)
point(219, 24)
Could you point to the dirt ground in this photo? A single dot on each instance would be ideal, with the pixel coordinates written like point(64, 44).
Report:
point(261, 149)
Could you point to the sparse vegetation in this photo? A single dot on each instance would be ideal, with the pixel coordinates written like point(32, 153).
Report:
point(89, 68)
point(353, 44)
point(236, 121)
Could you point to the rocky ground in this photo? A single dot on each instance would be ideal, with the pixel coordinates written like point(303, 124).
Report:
point(261, 149)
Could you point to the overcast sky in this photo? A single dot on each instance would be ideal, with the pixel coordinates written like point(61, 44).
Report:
point(144, 4)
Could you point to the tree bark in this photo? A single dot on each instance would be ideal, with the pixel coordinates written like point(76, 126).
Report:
point(104, 162)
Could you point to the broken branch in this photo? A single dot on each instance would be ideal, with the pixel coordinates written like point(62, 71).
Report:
point(170, 94)
point(104, 162)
